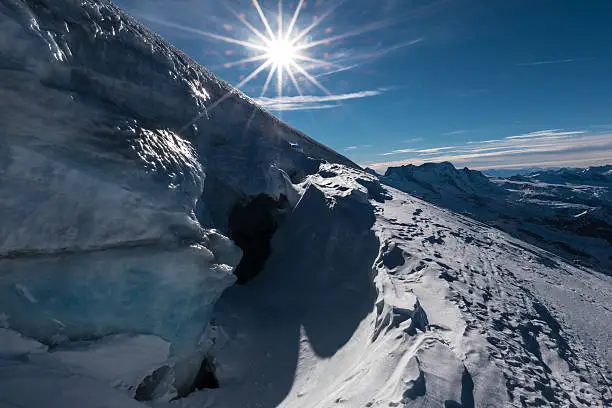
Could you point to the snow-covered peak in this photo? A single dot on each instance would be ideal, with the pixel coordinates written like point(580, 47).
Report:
point(594, 176)
point(442, 183)
point(440, 174)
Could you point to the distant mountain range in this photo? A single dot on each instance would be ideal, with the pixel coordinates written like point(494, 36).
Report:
point(567, 211)
point(513, 172)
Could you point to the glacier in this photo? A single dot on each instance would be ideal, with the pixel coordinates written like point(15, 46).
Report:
point(137, 188)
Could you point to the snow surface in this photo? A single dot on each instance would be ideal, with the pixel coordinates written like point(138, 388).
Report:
point(423, 308)
point(121, 161)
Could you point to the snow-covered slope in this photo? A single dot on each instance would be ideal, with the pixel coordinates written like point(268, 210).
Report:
point(391, 301)
point(566, 211)
point(121, 218)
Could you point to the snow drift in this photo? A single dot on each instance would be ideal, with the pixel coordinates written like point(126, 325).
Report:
point(136, 187)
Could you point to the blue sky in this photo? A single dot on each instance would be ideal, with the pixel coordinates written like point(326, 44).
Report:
point(483, 84)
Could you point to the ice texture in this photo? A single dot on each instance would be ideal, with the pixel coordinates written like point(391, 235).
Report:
point(105, 149)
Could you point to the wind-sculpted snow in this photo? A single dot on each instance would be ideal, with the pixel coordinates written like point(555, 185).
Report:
point(387, 300)
point(125, 166)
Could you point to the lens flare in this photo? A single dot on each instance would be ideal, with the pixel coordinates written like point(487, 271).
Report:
point(281, 52)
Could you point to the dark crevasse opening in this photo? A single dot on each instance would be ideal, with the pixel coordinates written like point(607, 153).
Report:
point(251, 226)
point(156, 384)
point(205, 378)
point(147, 389)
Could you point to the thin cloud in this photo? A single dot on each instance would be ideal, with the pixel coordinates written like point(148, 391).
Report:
point(356, 59)
point(542, 134)
point(413, 140)
point(305, 102)
point(436, 149)
point(421, 151)
point(547, 146)
point(357, 147)
point(382, 52)
point(484, 141)
point(399, 151)
point(455, 132)
point(336, 71)
point(550, 62)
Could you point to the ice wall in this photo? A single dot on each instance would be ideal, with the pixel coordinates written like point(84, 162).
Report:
point(108, 138)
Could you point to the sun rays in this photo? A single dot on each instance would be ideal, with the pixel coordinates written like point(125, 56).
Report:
point(281, 49)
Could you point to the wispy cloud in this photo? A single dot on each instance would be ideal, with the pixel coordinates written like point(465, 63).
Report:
point(546, 134)
point(420, 151)
point(549, 62)
point(455, 132)
point(305, 102)
point(399, 151)
point(348, 148)
point(413, 140)
point(371, 55)
point(553, 146)
point(336, 71)
point(346, 61)
point(484, 141)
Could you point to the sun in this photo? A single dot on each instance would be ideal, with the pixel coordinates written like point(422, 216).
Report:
point(282, 52)
point(282, 49)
